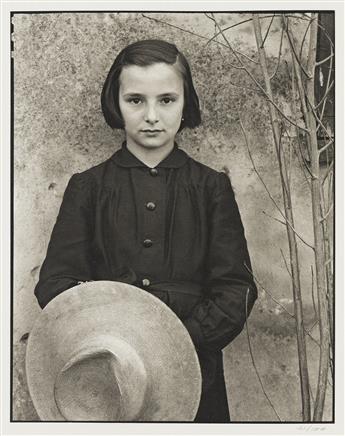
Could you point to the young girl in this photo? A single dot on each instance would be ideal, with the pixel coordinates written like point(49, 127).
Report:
point(153, 217)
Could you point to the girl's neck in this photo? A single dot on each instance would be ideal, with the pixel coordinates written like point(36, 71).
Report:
point(151, 157)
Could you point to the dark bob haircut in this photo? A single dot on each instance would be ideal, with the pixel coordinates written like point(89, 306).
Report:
point(145, 53)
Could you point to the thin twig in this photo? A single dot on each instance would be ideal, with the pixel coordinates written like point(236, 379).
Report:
point(322, 149)
point(317, 64)
point(279, 54)
point(285, 262)
point(250, 19)
point(248, 88)
point(256, 82)
point(311, 395)
point(267, 190)
point(304, 38)
point(328, 85)
point(300, 155)
point(314, 324)
point(324, 217)
point(301, 160)
point(281, 159)
point(257, 173)
point(253, 361)
point(194, 34)
point(288, 164)
point(325, 95)
point(318, 119)
point(292, 45)
point(268, 30)
point(328, 172)
point(274, 218)
point(178, 28)
point(313, 293)
point(277, 302)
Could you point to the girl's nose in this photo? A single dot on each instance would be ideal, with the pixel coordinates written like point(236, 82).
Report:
point(151, 115)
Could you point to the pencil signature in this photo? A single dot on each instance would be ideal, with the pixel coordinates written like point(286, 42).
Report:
point(311, 428)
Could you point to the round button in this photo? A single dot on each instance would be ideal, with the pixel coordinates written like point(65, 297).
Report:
point(146, 282)
point(153, 172)
point(150, 205)
point(147, 243)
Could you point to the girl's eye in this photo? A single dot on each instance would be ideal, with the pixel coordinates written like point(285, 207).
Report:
point(167, 100)
point(135, 100)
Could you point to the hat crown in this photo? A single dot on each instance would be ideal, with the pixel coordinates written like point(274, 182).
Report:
point(104, 380)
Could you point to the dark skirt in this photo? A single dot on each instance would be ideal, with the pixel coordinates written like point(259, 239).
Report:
point(213, 405)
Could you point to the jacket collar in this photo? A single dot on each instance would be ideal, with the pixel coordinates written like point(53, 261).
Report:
point(124, 158)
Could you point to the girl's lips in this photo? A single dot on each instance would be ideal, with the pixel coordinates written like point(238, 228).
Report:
point(151, 133)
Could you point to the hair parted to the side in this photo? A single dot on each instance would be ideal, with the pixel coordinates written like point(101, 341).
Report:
point(144, 53)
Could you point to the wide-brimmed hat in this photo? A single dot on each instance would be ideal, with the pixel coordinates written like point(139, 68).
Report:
point(108, 351)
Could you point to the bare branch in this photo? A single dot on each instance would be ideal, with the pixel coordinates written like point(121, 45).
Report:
point(328, 261)
point(328, 172)
point(327, 35)
point(328, 86)
point(286, 221)
point(282, 164)
point(255, 169)
point(277, 302)
point(324, 60)
point(313, 292)
point(328, 90)
point(244, 87)
point(322, 149)
point(293, 229)
point(178, 28)
point(196, 35)
point(253, 360)
point(268, 30)
point(279, 54)
point(314, 324)
point(285, 262)
point(292, 45)
point(303, 93)
point(304, 39)
point(319, 120)
point(298, 150)
point(295, 266)
point(306, 165)
point(301, 159)
point(256, 82)
point(275, 219)
point(250, 19)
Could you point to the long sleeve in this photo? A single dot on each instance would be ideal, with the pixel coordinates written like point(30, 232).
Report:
point(68, 258)
point(230, 290)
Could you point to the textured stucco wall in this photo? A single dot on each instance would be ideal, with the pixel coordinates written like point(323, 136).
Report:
point(60, 63)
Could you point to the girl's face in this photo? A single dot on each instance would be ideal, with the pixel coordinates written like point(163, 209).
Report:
point(151, 102)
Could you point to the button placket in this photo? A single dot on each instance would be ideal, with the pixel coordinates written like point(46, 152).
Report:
point(151, 206)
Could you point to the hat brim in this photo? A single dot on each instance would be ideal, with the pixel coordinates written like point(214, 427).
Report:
point(128, 313)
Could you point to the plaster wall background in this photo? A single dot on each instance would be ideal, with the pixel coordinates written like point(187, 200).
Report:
point(60, 63)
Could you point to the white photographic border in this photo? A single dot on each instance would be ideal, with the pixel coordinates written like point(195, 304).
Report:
point(42, 428)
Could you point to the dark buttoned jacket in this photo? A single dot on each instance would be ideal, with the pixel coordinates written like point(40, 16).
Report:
point(175, 231)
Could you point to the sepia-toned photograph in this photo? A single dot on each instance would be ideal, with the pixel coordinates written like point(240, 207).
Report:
point(173, 217)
